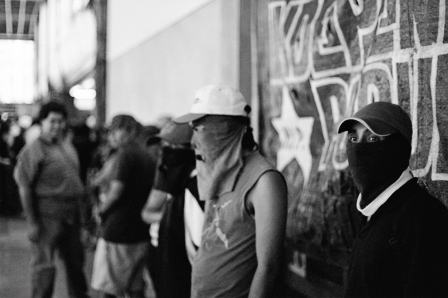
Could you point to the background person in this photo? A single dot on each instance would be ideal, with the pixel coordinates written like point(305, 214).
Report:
point(51, 191)
point(402, 249)
point(172, 207)
point(246, 197)
point(123, 243)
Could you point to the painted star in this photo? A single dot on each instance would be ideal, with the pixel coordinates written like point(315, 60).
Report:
point(295, 136)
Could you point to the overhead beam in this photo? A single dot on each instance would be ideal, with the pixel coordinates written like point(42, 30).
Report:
point(17, 36)
point(8, 15)
point(15, 17)
point(22, 17)
point(33, 19)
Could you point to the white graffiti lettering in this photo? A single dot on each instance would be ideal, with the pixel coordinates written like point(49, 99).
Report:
point(381, 61)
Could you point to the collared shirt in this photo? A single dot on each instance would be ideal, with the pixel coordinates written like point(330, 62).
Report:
point(51, 170)
point(370, 209)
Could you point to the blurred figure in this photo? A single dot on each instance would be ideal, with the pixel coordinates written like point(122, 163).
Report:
point(162, 120)
point(51, 190)
point(18, 141)
point(103, 178)
point(124, 240)
point(32, 132)
point(171, 209)
point(154, 149)
point(6, 165)
point(5, 143)
point(102, 150)
point(246, 197)
point(10, 145)
point(84, 146)
point(98, 179)
point(402, 249)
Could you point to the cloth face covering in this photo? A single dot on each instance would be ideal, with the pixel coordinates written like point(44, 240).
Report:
point(174, 169)
point(217, 140)
point(375, 166)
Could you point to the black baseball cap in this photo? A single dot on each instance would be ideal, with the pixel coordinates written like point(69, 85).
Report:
point(381, 118)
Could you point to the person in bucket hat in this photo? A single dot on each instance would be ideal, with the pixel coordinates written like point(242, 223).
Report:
point(245, 197)
point(402, 249)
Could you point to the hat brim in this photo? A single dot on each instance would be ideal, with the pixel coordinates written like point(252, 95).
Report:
point(152, 140)
point(188, 118)
point(158, 138)
point(347, 124)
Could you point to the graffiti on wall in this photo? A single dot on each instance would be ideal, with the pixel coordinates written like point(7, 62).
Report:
point(327, 60)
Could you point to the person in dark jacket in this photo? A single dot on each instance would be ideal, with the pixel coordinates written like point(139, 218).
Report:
point(175, 213)
point(402, 249)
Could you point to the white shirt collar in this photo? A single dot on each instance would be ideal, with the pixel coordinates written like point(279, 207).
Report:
point(370, 209)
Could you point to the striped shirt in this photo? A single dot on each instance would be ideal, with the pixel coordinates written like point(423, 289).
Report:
point(51, 171)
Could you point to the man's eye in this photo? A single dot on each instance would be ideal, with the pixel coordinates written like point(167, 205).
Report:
point(372, 139)
point(352, 139)
point(198, 128)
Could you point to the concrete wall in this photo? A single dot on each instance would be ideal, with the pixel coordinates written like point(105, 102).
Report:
point(159, 76)
point(325, 60)
point(132, 22)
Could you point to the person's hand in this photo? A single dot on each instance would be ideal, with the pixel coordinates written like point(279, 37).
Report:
point(5, 161)
point(34, 232)
point(96, 214)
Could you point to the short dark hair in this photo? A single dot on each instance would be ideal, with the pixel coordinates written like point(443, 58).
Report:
point(249, 141)
point(52, 107)
point(126, 122)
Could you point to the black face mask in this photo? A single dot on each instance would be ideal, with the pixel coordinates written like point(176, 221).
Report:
point(174, 169)
point(375, 166)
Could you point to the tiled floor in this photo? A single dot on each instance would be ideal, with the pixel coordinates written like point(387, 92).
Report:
point(15, 259)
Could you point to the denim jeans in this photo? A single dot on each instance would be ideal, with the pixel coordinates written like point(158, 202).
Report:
point(65, 238)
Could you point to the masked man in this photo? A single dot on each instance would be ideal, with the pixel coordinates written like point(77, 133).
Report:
point(245, 197)
point(402, 249)
point(174, 213)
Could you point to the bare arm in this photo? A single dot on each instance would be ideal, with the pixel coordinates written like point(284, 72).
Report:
point(26, 174)
point(113, 196)
point(30, 212)
point(152, 212)
point(269, 201)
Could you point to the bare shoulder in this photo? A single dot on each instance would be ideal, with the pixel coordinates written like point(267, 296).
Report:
point(269, 189)
point(270, 180)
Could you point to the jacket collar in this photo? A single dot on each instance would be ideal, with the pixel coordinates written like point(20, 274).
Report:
point(395, 200)
point(370, 209)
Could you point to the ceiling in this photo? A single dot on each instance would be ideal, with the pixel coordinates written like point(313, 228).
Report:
point(18, 18)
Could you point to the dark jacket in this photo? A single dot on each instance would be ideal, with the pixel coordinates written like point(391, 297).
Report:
point(403, 250)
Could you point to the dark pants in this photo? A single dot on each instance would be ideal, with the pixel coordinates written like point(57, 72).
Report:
point(169, 266)
point(64, 237)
